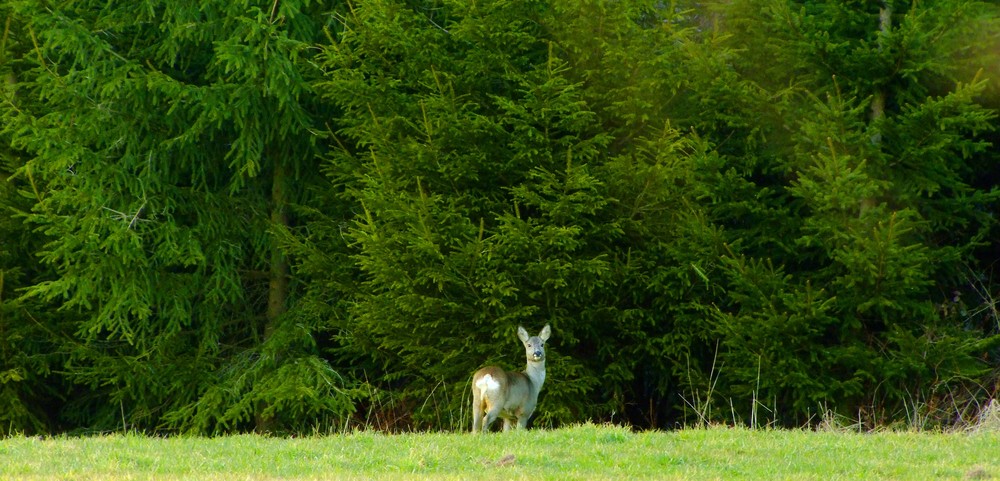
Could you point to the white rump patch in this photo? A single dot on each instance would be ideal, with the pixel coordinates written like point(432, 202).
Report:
point(487, 383)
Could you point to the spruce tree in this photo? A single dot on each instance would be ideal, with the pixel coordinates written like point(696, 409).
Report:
point(31, 333)
point(166, 146)
point(495, 184)
point(878, 137)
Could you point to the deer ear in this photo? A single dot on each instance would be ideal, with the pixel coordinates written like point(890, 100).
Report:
point(546, 332)
point(522, 334)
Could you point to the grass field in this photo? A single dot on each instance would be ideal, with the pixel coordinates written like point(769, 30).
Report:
point(584, 452)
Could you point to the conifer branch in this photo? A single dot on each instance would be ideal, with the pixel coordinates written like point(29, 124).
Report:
point(274, 10)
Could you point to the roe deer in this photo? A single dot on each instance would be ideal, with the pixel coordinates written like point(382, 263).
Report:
point(510, 395)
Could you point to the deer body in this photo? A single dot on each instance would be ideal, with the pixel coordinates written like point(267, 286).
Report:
point(510, 395)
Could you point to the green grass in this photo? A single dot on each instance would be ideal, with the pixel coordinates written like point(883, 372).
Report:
point(583, 452)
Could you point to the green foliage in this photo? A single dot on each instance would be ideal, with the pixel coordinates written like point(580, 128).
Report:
point(153, 171)
point(280, 380)
point(273, 215)
point(446, 130)
point(880, 178)
point(29, 332)
point(490, 195)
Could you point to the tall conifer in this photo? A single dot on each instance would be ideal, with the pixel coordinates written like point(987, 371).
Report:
point(878, 135)
point(167, 143)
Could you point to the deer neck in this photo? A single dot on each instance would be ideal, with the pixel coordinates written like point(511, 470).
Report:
point(536, 372)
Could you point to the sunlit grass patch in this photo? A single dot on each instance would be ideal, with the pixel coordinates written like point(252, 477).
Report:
point(578, 453)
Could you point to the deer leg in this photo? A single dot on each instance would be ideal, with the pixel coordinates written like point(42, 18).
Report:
point(477, 419)
point(522, 421)
point(507, 424)
point(477, 411)
point(491, 416)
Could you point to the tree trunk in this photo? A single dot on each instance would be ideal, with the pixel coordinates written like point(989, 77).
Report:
point(878, 100)
point(277, 292)
point(277, 295)
point(879, 96)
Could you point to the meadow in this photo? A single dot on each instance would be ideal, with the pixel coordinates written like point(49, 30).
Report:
point(585, 452)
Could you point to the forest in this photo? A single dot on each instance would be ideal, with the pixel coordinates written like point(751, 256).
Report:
point(285, 215)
